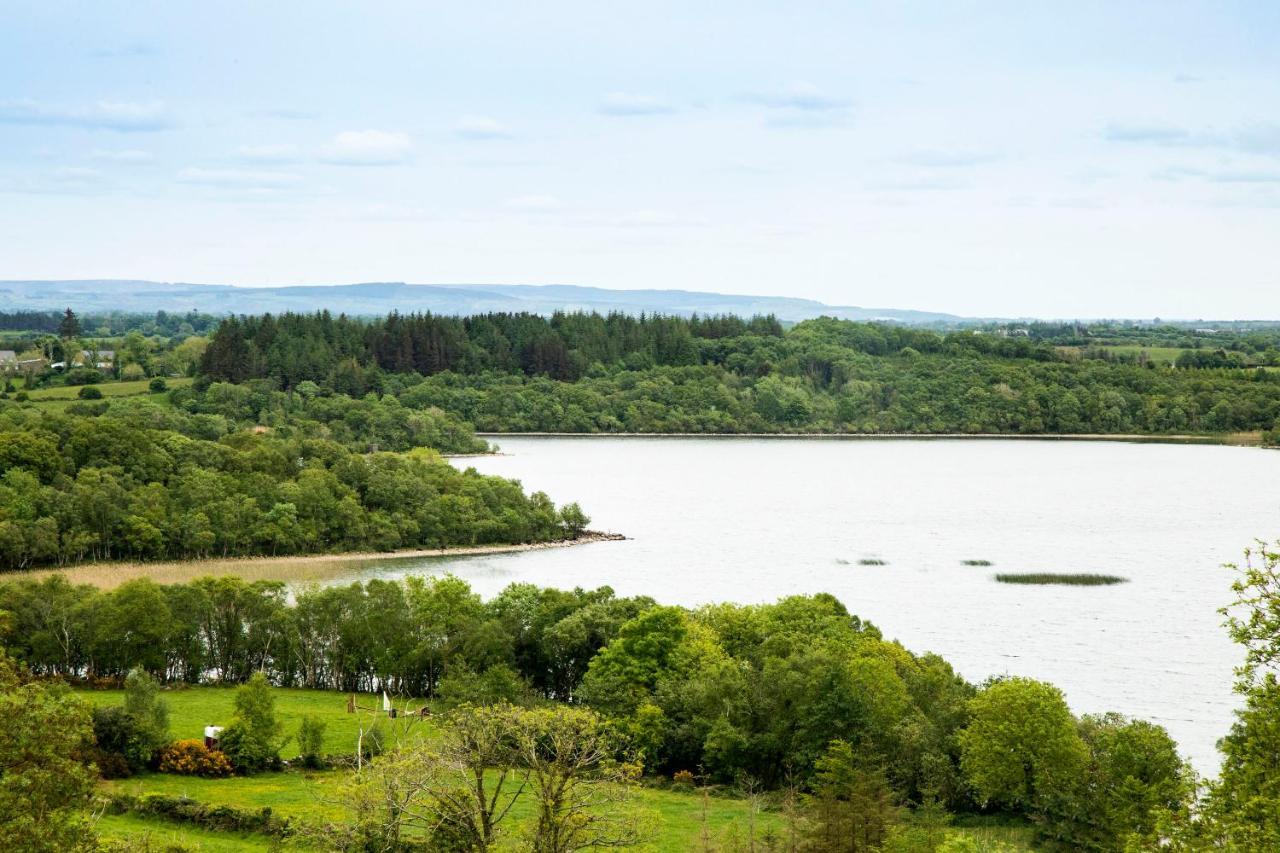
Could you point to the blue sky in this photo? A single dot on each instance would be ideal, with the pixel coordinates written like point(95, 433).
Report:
point(1053, 159)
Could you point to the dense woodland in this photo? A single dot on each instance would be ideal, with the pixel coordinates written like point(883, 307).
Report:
point(138, 480)
point(592, 373)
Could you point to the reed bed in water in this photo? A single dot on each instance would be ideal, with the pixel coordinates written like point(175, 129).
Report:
point(873, 561)
point(1061, 579)
point(976, 563)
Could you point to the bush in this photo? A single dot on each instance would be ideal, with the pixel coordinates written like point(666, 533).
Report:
point(119, 736)
point(133, 372)
point(311, 740)
point(22, 396)
point(193, 758)
point(252, 741)
point(196, 813)
point(90, 392)
point(83, 376)
point(158, 385)
point(111, 765)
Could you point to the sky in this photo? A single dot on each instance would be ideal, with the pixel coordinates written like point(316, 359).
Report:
point(1053, 159)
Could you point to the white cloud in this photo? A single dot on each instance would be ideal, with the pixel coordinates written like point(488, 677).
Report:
point(533, 203)
point(802, 96)
point(76, 175)
point(368, 148)
point(106, 115)
point(238, 178)
point(267, 153)
point(481, 127)
point(127, 155)
point(633, 104)
point(946, 159)
point(1162, 134)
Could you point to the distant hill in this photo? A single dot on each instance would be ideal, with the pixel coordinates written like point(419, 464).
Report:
point(86, 296)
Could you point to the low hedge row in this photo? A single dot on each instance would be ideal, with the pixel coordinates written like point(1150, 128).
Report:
point(196, 813)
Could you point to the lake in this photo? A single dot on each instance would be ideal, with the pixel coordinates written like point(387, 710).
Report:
point(750, 520)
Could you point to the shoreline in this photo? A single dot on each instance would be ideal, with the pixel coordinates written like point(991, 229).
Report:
point(1245, 439)
point(107, 575)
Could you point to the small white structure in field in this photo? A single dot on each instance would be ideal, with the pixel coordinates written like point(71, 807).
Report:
point(211, 734)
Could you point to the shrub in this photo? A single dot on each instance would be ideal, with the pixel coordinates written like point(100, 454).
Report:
point(119, 736)
point(252, 741)
point(158, 385)
point(311, 740)
point(133, 372)
point(83, 376)
point(193, 758)
point(22, 396)
point(90, 392)
point(683, 777)
point(111, 765)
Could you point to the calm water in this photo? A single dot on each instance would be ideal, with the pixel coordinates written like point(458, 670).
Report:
point(750, 520)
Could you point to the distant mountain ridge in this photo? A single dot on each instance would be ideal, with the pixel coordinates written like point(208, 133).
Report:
point(378, 298)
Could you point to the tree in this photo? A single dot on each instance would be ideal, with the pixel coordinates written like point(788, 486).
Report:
point(70, 326)
point(1242, 808)
point(252, 741)
point(457, 789)
point(851, 809)
point(574, 520)
point(580, 788)
point(1021, 746)
point(45, 787)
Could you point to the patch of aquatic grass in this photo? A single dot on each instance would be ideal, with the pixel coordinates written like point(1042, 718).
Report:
point(1061, 579)
point(841, 561)
point(872, 561)
point(977, 563)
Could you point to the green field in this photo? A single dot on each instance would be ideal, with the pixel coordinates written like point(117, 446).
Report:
point(193, 708)
point(133, 388)
point(1159, 355)
point(314, 796)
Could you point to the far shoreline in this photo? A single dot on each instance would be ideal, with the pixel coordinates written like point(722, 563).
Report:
point(1241, 439)
point(291, 568)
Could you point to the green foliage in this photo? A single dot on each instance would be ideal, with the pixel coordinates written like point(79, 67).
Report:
point(158, 385)
point(311, 740)
point(134, 731)
point(252, 741)
point(852, 806)
point(90, 392)
point(1021, 746)
point(587, 373)
point(144, 481)
point(44, 784)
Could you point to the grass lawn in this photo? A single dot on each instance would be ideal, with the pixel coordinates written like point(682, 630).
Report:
point(193, 708)
point(159, 833)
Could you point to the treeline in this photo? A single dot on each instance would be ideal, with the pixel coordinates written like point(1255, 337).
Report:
point(162, 323)
point(145, 481)
point(587, 373)
point(291, 348)
point(736, 691)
